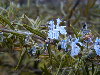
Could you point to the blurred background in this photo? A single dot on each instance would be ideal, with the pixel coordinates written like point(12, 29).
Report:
point(74, 12)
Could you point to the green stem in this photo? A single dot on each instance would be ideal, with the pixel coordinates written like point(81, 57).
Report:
point(50, 53)
point(21, 58)
point(28, 3)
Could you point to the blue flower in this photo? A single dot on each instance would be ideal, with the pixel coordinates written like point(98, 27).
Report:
point(53, 34)
point(62, 30)
point(75, 48)
point(64, 44)
point(32, 51)
point(58, 21)
point(52, 26)
point(97, 46)
point(69, 39)
point(55, 31)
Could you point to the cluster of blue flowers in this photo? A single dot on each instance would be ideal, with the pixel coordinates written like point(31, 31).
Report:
point(54, 33)
point(55, 30)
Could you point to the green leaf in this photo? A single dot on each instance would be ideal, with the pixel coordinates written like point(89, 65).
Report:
point(13, 32)
point(4, 21)
point(35, 31)
point(21, 58)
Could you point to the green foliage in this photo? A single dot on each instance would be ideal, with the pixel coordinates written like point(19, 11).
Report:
point(5, 21)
